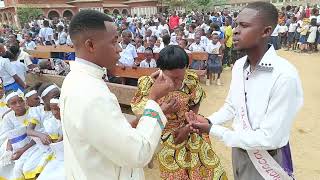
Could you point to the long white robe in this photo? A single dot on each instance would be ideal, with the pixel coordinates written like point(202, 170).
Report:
point(31, 161)
point(99, 143)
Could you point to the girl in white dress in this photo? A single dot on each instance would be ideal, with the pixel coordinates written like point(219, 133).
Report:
point(55, 168)
point(312, 35)
point(47, 92)
point(28, 158)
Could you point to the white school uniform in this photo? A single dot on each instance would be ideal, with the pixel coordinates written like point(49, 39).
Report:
point(45, 33)
point(91, 149)
point(54, 170)
point(30, 45)
point(283, 29)
point(141, 49)
point(194, 47)
point(312, 35)
point(21, 69)
point(145, 64)
point(127, 55)
point(35, 158)
point(293, 27)
point(6, 71)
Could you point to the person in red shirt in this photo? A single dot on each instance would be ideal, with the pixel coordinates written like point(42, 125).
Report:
point(308, 11)
point(173, 21)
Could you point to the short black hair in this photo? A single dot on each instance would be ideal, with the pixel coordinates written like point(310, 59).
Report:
point(166, 39)
point(268, 12)
point(14, 49)
point(149, 49)
point(87, 20)
point(46, 23)
point(172, 57)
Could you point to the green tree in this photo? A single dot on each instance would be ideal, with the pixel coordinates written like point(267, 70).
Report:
point(25, 13)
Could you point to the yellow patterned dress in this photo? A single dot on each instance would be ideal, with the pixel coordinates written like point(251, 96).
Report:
point(194, 158)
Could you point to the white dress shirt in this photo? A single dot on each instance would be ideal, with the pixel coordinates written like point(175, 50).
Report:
point(21, 69)
point(293, 27)
point(194, 47)
point(141, 49)
point(273, 98)
point(6, 71)
point(145, 64)
point(30, 45)
point(45, 33)
point(128, 54)
point(99, 143)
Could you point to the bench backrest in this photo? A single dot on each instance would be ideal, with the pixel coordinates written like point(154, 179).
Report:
point(129, 72)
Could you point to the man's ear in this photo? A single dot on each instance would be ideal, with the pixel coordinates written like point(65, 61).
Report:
point(267, 31)
point(89, 45)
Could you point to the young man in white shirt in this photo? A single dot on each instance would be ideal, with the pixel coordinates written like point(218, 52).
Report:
point(128, 53)
point(62, 36)
point(264, 97)
point(46, 34)
point(149, 62)
point(99, 142)
point(197, 47)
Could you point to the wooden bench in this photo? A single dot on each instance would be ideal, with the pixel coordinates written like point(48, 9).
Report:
point(130, 72)
point(45, 52)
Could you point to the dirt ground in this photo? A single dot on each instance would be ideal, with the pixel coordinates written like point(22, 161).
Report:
point(305, 144)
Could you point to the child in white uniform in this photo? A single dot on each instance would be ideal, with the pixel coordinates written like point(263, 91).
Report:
point(55, 168)
point(29, 158)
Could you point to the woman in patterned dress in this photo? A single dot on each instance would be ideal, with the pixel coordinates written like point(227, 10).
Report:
point(183, 155)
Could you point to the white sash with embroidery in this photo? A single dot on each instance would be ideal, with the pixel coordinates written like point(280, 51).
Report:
point(267, 167)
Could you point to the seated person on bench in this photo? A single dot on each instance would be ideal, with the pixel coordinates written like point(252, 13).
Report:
point(149, 62)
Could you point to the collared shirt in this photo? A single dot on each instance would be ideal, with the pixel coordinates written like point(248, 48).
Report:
point(141, 49)
point(273, 94)
point(62, 38)
point(194, 47)
point(151, 64)
point(21, 69)
point(25, 58)
point(30, 45)
point(127, 55)
point(45, 33)
point(91, 149)
point(6, 71)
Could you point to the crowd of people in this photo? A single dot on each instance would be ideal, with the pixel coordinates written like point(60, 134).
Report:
point(31, 133)
point(298, 29)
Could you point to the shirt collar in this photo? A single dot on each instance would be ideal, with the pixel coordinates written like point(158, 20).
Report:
point(267, 62)
point(88, 67)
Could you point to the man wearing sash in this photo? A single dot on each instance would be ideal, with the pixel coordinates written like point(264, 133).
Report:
point(264, 97)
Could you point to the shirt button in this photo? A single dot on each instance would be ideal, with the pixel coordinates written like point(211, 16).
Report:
point(247, 78)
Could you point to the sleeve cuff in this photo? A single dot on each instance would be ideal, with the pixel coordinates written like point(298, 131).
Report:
point(217, 131)
point(155, 106)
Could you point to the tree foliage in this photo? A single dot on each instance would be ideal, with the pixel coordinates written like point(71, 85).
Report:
point(25, 13)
